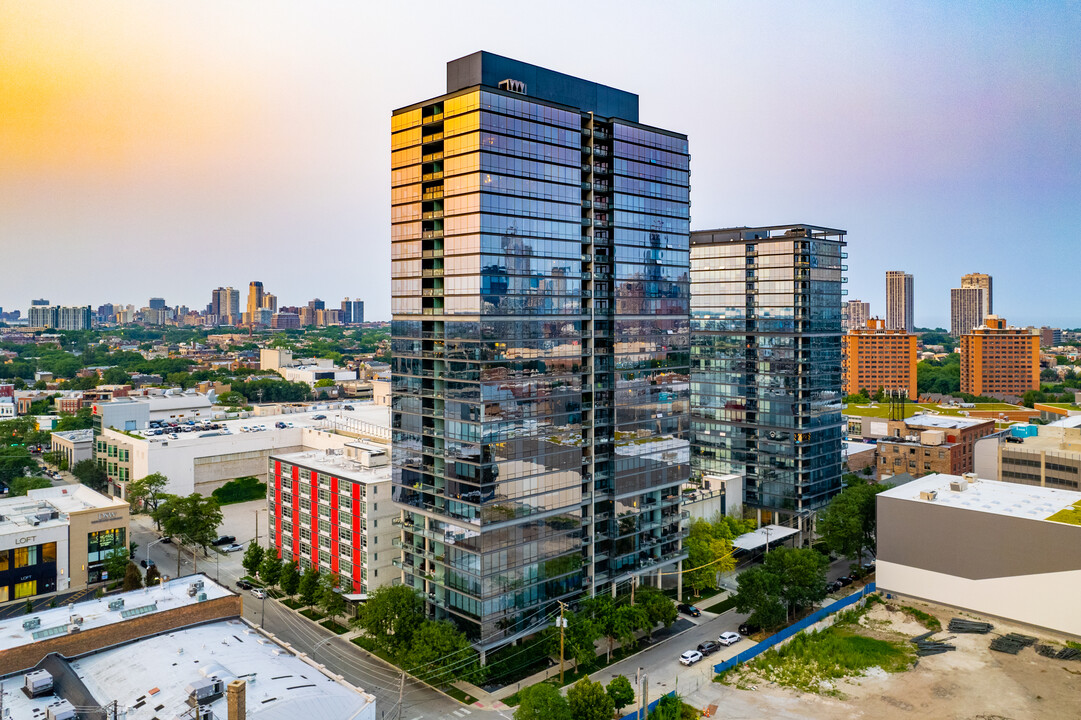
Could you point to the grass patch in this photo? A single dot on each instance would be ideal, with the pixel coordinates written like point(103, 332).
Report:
point(927, 620)
point(312, 614)
point(1070, 515)
point(460, 696)
point(254, 581)
point(334, 627)
point(723, 606)
point(812, 661)
point(292, 604)
point(1074, 645)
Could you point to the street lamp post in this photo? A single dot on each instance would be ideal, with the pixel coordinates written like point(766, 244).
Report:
point(150, 545)
point(257, 523)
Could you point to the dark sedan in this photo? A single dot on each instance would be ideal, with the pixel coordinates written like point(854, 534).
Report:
point(689, 610)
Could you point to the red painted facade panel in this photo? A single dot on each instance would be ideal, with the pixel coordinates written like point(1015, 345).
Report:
point(296, 512)
point(278, 507)
point(334, 525)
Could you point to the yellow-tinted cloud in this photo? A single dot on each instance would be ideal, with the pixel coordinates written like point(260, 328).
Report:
point(81, 93)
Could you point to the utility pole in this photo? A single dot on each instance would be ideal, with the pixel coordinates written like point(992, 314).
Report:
point(562, 622)
point(633, 583)
point(401, 693)
point(645, 697)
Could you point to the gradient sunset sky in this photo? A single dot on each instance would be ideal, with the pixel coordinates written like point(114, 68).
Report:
point(165, 149)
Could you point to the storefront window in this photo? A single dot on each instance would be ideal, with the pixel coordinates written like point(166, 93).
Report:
point(4, 562)
point(26, 589)
point(99, 544)
point(48, 553)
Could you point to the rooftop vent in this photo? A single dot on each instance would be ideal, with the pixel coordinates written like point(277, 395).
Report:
point(929, 495)
point(117, 604)
point(60, 710)
point(959, 485)
point(32, 624)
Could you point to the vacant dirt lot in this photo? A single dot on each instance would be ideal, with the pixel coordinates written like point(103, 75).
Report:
point(970, 683)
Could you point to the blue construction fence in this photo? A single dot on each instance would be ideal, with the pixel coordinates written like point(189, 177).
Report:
point(781, 636)
point(634, 715)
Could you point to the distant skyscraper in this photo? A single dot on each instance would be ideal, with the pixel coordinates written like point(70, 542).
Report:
point(39, 303)
point(540, 334)
point(317, 304)
point(255, 299)
point(997, 359)
point(855, 316)
point(225, 304)
point(270, 302)
point(967, 309)
point(983, 282)
point(766, 362)
point(352, 311)
point(900, 305)
point(62, 317)
point(156, 303)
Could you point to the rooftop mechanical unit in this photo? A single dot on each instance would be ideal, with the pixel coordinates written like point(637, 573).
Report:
point(32, 624)
point(117, 604)
point(60, 710)
point(204, 690)
point(38, 682)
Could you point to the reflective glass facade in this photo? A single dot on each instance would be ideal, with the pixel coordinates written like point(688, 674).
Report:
point(541, 353)
point(766, 362)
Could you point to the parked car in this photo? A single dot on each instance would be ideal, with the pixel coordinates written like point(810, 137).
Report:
point(833, 586)
point(166, 539)
point(689, 610)
point(347, 407)
point(232, 548)
point(280, 425)
point(243, 585)
point(258, 593)
point(690, 657)
point(729, 638)
point(845, 581)
point(748, 628)
point(224, 540)
point(147, 563)
point(708, 648)
point(319, 417)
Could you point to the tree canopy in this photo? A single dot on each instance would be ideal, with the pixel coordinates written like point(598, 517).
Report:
point(542, 702)
point(848, 525)
point(789, 579)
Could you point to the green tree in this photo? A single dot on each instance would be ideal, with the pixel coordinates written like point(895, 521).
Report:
point(133, 579)
point(659, 608)
point(542, 701)
point(849, 523)
point(391, 615)
point(29, 607)
point(89, 473)
point(331, 601)
point(253, 557)
point(289, 581)
point(621, 692)
point(21, 486)
point(116, 563)
point(153, 576)
point(146, 494)
point(581, 633)
point(270, 569)
point(436, 646)
point(191, 520)
point(589, 701)
point(309, 587)
point(15, 462)
point(115, 376)
point(325, 382)
point(788, 580)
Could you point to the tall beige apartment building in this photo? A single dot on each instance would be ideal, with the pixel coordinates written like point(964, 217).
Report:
point(981, 281)
point(967, 309)
point(855, 314)
point(900, 306)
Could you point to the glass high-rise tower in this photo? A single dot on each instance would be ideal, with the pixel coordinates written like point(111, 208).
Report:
point(540, 275)
point(766, 362)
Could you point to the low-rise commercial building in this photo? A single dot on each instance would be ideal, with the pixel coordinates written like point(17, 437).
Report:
point(333, 511)
point(73, 446)
point(1047, 456)
point(316, 370)
point(1003, 549)
point(57, 539)
point(874, 358)
point(7, 401)
point(997, 359)
point(204, 460)
point(924, 444)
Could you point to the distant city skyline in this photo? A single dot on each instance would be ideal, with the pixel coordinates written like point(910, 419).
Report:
point(253, 140)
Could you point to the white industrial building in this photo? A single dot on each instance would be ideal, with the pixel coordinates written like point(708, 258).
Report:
point(1002, 549)
point(204, 461)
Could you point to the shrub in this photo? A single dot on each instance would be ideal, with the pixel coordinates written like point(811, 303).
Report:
point(240, 490)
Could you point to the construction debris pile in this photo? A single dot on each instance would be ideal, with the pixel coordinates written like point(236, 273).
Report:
point(926, 646)
point(1012, 643)
point(957, 625)
point(1050, 651)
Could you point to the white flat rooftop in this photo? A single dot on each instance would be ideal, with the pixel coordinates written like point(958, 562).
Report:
point(946, 422)
point(851, 447)
point(96, 613)
point(155, 673)
point(991, 496)
point(75, 435)
point(758, 538)
point(338, 465)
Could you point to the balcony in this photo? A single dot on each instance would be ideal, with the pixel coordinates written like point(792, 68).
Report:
point(429, 177)
point(434, 137)
point(432, 215)
point(430, 234)
point(433, 195)
point(432, 157)
point(432, 254)
point(432, 118)
point(431, 272)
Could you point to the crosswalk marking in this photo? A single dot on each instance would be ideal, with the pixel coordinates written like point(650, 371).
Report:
point(458, 714)
point(465, 711)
